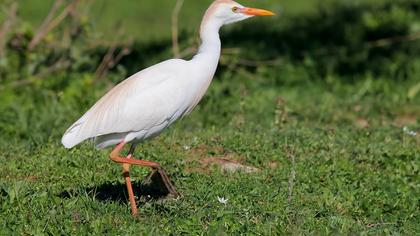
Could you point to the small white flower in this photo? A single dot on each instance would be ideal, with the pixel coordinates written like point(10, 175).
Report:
point(186, 147)
point(409, 132)
point(222, 200)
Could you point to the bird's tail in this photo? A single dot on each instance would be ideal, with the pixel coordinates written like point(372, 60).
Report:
point(72, 136)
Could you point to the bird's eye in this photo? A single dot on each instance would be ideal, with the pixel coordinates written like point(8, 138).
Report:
point(235, 9)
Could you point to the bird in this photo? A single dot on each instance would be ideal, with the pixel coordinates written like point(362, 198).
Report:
point(146, 103)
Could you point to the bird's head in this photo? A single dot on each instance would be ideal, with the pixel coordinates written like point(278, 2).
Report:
point(228, 11)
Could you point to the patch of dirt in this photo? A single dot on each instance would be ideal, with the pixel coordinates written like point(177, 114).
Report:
point(227, 165)
point(273, 164)
point(404, 120)
point(357, 108)
point(361, 123)
point(204, 158)
point(30, 178)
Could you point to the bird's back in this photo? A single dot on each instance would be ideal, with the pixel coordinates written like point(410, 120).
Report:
point(137, 108)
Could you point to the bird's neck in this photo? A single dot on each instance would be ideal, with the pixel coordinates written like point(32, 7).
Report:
point(209, 49)
point(206, 60)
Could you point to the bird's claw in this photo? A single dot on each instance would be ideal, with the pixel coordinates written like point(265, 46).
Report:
point(166, 181)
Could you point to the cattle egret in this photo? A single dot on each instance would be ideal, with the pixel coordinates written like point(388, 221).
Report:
point(143, 105)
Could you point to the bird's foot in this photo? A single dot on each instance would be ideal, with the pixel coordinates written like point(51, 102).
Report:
point(164, 179)
point(155, 166)
point(127, 161)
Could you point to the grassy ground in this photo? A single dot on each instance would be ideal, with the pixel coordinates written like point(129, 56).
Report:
point(333, 159)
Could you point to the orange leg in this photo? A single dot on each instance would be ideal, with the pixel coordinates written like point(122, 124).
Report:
point(115, 156)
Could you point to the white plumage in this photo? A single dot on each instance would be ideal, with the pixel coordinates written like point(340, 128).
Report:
point(144, 104)
point(137, 108)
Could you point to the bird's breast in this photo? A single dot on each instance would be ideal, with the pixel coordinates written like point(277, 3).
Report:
point(198, 85)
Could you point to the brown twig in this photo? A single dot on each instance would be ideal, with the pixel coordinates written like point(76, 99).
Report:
point(188, 52)
point(49, 24)
point(175, 15)
point(228, 51)
point(105, 63)
point(57, 4)
point(7, 25)
point(247, 74)
point(397, 39)
point(246, 62)
point(109, 61)
point(124, 52)
point(61, 64)
point(46, 22)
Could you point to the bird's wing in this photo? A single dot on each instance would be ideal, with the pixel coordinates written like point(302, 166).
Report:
point(141, 102)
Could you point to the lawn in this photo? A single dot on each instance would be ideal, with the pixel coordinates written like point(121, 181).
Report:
point(333, 151)
point(331, 159)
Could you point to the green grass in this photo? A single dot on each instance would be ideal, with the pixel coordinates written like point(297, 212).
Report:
point(348, 179)
point(332, 145)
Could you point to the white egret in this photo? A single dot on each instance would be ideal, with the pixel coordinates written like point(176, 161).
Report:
point(143, 105)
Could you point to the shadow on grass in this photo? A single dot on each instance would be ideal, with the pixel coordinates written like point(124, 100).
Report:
point(152, 188)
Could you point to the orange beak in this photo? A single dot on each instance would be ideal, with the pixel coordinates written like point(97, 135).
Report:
point(256, 12)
